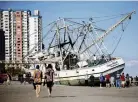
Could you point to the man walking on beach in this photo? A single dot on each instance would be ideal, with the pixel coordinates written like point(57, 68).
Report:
point(8, 79)
point(123, 80)
point(101, 80)
point(118, 83)
point(127, 80)
point(86, 79)
point(24, 78)
point(92, 80)
point(108, 80)
point(112, 80)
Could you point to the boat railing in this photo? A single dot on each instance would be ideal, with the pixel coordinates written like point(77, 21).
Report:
point(100, 62)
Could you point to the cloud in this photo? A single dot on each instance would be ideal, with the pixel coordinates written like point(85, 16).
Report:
point(131, 63)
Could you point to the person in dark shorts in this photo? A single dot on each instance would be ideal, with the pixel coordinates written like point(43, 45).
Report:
point(127, 80)
point(37, 80)
point(92, 80)
point(49, 78)
point(34, 85)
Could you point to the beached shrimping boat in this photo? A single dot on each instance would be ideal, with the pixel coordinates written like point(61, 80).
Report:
point(76, 50)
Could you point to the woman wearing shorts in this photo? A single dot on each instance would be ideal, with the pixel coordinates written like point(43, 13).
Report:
point(37, 80)
point(49, 78)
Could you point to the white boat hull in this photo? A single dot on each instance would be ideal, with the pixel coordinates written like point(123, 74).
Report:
point(77, 76)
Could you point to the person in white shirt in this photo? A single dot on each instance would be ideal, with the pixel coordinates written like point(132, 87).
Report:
point(130, 81)
point(94, 58)
point(8, 79)
point(112, 80)
point(86, 78)
point(24, 78)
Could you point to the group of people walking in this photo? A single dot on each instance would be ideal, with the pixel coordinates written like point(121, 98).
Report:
point(117, 81)
point(48, 77)
point(123, 81)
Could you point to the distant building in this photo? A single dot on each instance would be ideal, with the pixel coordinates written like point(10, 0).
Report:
point(2, 50)
point(35, 33)
point(17, 27)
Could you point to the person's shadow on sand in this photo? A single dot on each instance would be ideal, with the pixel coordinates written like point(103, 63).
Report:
point(57, 96)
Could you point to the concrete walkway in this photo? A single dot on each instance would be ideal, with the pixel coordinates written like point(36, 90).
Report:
point(25, 93)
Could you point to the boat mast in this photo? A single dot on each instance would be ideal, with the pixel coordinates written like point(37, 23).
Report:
point(97, 46)
point(102, 44)
point(58, 40)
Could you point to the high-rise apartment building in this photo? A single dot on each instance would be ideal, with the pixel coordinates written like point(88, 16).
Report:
point(35, 32)
point(16, 24)
point(5, 24)
point(2, 50)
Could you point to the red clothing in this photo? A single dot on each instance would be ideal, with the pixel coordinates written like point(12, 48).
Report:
point(107, 77)
point(122, 78)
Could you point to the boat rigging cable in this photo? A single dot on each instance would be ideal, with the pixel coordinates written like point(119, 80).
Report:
point(37, 44)
point(54, 22)
point(100, 16)
point(123, 29)
point(109, 30)
point(67, 19)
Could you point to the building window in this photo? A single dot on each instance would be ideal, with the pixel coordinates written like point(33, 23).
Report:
point(18, 15)
point(18, 27)
point(6, 15)
point(19, 30)
point(18, 33)
point(18, 22)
